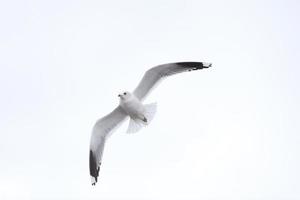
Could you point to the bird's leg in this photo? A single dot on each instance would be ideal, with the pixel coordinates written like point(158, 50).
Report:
point(145, 120)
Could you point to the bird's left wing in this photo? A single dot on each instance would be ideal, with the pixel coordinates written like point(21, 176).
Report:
point(154, 75)
point(103, 127)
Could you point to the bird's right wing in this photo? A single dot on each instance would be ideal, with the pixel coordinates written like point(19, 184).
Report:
point(153, 76)
point(103, 127)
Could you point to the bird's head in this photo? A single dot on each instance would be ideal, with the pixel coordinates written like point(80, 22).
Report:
point(124, 95)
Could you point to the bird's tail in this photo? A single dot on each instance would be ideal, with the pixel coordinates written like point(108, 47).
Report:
point(136, 124)
point(150, 112)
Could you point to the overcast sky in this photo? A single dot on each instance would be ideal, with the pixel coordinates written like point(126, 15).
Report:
point(228, 132)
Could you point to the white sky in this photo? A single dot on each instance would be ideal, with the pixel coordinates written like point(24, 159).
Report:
point(229, 132)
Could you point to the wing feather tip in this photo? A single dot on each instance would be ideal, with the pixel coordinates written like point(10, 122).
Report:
point(94, 168)
point(194, 65)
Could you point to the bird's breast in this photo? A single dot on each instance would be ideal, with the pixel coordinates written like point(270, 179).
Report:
point(133, 108)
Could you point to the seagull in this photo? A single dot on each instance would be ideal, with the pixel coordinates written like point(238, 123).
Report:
point(131, 106)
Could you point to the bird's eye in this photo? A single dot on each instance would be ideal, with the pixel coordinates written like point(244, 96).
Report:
point(125, 93)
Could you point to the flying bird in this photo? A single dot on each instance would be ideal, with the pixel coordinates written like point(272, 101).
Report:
point(131, 105)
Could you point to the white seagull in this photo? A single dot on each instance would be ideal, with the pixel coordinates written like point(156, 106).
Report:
point(131, 106)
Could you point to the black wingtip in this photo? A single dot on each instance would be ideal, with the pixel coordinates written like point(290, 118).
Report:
point(194, 65)
point(94, 168)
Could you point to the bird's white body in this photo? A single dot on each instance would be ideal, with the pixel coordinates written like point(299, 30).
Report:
point(140, 115)
point(132, 106)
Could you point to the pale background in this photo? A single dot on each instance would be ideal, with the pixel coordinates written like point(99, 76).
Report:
point(229, 132)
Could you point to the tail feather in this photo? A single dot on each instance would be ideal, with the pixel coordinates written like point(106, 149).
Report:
point(136, 124)
point(150, 112)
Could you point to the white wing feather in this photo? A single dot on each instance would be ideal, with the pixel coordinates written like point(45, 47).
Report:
point(102, 129)
point(154, 75)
